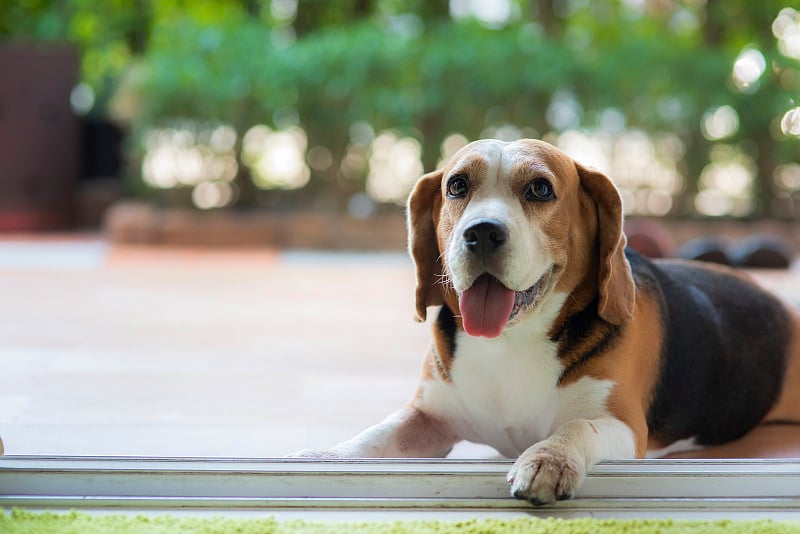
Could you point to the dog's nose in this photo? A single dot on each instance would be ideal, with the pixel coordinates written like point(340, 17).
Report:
point(484, 237)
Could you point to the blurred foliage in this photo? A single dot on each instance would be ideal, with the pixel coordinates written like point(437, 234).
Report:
point(408, 65)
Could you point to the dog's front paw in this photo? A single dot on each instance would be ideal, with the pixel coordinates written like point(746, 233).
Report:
point(546, 473)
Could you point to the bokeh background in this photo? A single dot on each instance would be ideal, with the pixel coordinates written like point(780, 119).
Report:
point(163, 161)
point(337, 107)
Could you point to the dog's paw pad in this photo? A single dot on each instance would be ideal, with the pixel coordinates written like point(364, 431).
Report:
point(543, 475)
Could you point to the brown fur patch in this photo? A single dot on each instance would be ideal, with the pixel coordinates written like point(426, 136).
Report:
point(633, 365)
point(615, 282)
point(441, 356)
point(764, 441)
point(787, 407)
point(422, 204)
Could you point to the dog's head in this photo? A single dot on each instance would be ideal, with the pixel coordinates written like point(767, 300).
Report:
point(502, 225)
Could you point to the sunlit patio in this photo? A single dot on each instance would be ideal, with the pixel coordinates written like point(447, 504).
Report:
point(124, 350)
point(180, 352)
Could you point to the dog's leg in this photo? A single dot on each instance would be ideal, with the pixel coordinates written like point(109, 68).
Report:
point(407, 433)
point(554, 468)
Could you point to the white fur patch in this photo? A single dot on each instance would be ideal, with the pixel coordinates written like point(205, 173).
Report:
point(553, 469)
point(682, 445)
point(504, 392)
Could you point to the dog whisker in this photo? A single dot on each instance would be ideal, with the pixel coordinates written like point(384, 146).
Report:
point(444, 280)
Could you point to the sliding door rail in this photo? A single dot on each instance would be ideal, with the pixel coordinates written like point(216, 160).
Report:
point(761, 487)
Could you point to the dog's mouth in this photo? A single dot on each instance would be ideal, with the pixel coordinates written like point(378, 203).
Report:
point(488, 306)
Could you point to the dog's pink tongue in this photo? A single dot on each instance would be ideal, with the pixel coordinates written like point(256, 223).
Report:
point(486, 307)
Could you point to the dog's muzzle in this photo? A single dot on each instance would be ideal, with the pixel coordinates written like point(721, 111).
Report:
point(488, 304)
point(485, 237)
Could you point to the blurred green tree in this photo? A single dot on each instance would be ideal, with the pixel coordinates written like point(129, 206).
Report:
point(428, 69)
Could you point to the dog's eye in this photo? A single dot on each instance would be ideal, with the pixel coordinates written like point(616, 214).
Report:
point(539, 190)
point(457, 186)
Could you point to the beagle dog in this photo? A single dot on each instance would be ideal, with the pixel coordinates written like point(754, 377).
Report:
point(555, 345)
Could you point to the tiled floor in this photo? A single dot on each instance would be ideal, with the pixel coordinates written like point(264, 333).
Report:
point(180, 352)
point(163, 352)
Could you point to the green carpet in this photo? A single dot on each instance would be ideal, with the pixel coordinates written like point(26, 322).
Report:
point(25, 522)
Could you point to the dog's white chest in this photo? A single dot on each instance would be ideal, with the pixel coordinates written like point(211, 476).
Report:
point(504, 392)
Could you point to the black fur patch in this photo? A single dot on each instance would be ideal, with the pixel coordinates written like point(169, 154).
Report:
point(444, 342)
point(582, 337)
point(446, 323)
point(725, 349)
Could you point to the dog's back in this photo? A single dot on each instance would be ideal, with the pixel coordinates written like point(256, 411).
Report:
point(726, 347)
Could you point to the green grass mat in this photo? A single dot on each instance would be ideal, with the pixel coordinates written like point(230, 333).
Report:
point(21, 521)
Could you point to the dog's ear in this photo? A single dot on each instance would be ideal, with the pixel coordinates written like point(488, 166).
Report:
point(615, 281)
point(422, 243)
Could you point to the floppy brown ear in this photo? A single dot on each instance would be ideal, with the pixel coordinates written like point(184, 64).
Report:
point(422, 243)
point(615, 281)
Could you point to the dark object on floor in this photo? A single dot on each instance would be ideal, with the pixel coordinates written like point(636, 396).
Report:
point(761, 252)
point(649, 238)
point(709, 248)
